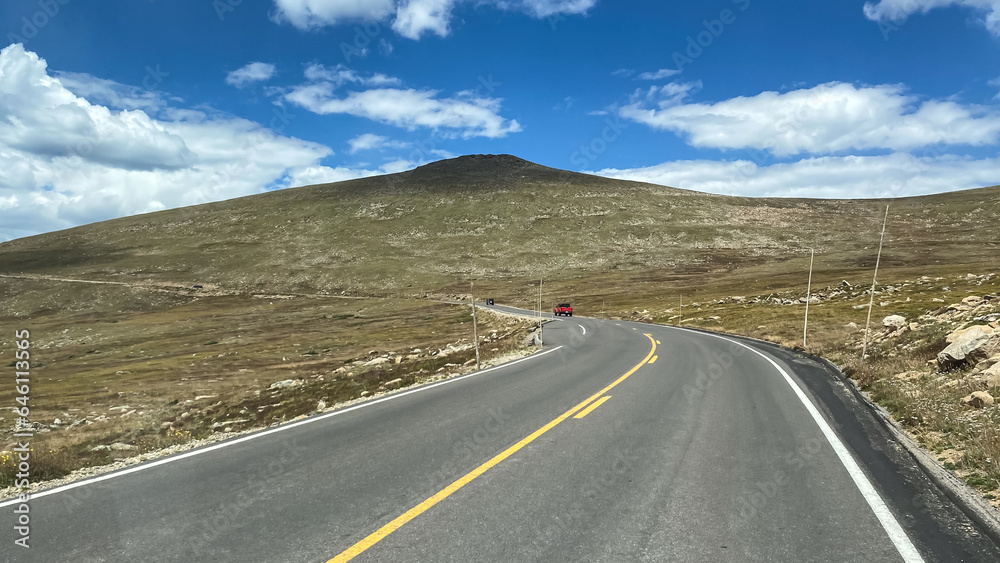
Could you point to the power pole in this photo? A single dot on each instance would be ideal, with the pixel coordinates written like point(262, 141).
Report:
point(475, 327)
point(805, 325)
point(871, 302)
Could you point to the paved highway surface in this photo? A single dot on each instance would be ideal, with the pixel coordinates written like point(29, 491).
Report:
point(619, 442)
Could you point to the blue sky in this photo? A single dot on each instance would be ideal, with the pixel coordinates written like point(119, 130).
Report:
point(147, 105)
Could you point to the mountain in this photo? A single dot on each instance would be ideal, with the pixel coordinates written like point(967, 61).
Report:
point(501, 218)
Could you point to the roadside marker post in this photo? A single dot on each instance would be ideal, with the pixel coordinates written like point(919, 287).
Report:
point(475, 328)
point(871, 301)
point(805, 324)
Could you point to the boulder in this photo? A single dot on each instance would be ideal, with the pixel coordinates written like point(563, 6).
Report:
point(955, 335)
point(972, 345)
point(376, 362)
point(894, 321)
point(285, 384)
point(992, 375)
point(121, 447)
point(979, 399)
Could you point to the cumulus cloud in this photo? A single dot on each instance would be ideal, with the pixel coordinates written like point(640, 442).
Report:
point(465, 115)
point(416, 17)
point(65, 161)
point(252, 72)
point(311, 14)
point(898, 11)
point(410, 18)
point(894, 175)
point(828, 118)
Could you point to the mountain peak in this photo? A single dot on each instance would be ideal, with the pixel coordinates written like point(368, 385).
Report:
point(493, 165)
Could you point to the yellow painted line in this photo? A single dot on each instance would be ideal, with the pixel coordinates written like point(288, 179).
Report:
point(400, 521)
point(657, 341)
point(595, 404)
point(653, 359)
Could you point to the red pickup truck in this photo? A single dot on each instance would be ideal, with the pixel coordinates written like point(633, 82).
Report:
point(563, 309)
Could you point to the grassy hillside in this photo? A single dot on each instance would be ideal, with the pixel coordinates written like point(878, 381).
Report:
point(501, 218)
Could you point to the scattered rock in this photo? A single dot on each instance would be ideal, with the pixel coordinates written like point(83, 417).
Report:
point(992, 375)
point(365, 393)
point(852, 326)
point(894, 321)
point(284, 384)
point(972, 344)
point(101, 448)
point(393, 382)
point(376, 362)
point(979, 399)
point(122, 447)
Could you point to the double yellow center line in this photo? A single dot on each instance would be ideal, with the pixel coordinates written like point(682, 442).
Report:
point(400, 521)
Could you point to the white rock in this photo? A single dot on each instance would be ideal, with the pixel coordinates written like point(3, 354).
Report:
point(894, 321)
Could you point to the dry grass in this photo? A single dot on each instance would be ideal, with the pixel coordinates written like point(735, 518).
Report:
point(171, 369)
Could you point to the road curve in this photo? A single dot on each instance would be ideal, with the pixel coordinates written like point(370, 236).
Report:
point(620, 442)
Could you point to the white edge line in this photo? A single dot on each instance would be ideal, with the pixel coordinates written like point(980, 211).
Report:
point(255, 435)
point(892, 528)
point(583, 328)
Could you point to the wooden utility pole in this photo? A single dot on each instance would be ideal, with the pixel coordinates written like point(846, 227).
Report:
point(475, 327)
point(871, 301)
point(805, 324)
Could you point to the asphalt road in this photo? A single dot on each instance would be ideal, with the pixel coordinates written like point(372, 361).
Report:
point(619, 442)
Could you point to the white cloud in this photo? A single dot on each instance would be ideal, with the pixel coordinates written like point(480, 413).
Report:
point(411, 18)
point(659, 74)
point(897, 11)
point(341, 75)
point(548, 8)
point(311, 175)
point(111, 93)
point(894, 175)
point(465, 115)
point(66, 161)
point(311, 14)
point(40, 116)
point(252, 72)
point(416, 17)
point(828, 118)
point(370, 141)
